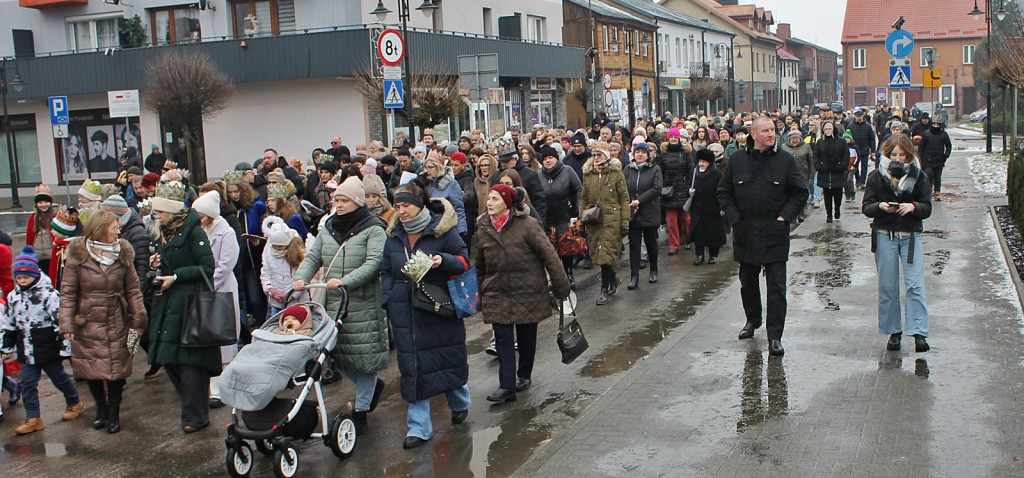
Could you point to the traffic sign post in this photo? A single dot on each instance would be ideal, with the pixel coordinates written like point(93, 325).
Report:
point(59, 110)
point(899, 43)
point(608, 99)
point(899, 76)
point(606, 81)
point(393, 97)
point(391, 47)
point(932, 78)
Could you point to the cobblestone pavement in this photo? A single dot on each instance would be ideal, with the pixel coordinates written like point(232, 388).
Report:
point(838, 404)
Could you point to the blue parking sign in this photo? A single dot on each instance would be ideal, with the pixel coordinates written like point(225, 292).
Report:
point(59, 110)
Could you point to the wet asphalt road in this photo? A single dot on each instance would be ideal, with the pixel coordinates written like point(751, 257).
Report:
point(667, 390)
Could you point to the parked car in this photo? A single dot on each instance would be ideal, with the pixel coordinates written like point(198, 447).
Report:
point(979, 116)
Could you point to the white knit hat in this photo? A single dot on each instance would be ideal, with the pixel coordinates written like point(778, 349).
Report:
point(208, 204)
point(352, 188)
point(277, 232)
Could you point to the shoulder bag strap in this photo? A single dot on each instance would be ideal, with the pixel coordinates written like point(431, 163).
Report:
point(603, 187)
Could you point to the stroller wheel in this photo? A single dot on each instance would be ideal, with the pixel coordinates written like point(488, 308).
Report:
point(265, 446)
point(286, 463)
point(239, 463)
point(343, 436)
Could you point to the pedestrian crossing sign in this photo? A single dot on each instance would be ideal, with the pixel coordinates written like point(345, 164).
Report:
point(393, 94)
point(899, 76)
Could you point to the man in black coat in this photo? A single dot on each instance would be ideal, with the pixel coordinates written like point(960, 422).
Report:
point(531, 182)
point(578, 154)
point(155, 161)
point(935, 148)
point(881, 120)
point(761, 193)
point(864, 137)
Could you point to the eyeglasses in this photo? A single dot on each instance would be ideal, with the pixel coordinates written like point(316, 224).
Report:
point(335, 142)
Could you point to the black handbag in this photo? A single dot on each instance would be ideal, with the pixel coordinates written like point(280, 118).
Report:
point(667, 192)
point(571, 341)
point(209, 319)
point(433, 299)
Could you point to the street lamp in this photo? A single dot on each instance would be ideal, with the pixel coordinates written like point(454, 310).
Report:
point(427, 7)
point(629, 51)
point(17, 83)
point(956, 75)
point(976, 14)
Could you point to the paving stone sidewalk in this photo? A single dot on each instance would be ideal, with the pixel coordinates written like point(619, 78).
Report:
point(838, 404)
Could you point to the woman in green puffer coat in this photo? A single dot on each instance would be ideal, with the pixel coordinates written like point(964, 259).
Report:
point(604, 239)
point(350, 248)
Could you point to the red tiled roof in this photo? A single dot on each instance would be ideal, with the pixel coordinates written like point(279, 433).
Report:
point(786, 55)
point(871, 20)
point(737, 10)
point(714, 7)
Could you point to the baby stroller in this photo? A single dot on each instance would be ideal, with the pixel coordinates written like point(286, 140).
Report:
point(270, 364)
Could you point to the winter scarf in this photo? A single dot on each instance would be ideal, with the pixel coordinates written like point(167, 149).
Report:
point(551, 174)
point(500, 221)
point(419, 223)
point(904, 187)
point(177, 220)
point(209, 229)
point(342, 224)
point(104, 253)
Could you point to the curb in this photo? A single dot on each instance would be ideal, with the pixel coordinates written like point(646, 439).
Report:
point(1008, 257)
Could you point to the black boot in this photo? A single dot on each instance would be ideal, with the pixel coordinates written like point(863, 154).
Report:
point(634, 281)
point(654, 276)
point(114, 391)
point(99, 395)
point(359, 419)
point(572, 279)
point(698, 260)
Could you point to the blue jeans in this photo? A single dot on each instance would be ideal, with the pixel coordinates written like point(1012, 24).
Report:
point(889, 255)
point(815, 191)
point(419, 413)
point(366, 383)
point(30, 375)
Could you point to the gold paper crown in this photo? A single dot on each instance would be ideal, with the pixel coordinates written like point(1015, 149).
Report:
point(93, 187)
point(44, 189)
point(145, 208)
point(172, 190)
point(277, 191)
point(232, 176)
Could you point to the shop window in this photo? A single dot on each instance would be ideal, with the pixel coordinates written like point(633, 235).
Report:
point(27, 148)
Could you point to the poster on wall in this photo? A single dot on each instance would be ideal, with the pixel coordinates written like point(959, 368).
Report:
point(95, 143)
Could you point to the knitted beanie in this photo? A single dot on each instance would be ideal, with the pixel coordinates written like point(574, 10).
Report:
point(352, 188)
point(373, 184)
point(62, 221)
point(117, 206)
point(208, 204)
point(27, 263)
point(508, 195)
point(300, 312)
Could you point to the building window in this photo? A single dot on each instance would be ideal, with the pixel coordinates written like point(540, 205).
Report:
point(23, 128)
point(643, 49)
point(604, 34)
point(947, 95)
point(679, 54)
point(174, 25)
point(615, 40)
point(488, 22)
point(859, 58)
point(968, 54)
point(536, 28)
point(90, 33)
point(263, 17)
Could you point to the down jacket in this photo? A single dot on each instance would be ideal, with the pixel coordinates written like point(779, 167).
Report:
point(512, 268)
point(445, 186)
point(363, 341)
point(757, 188)
point(831, 160)
point(677, 172)
point(30, 327)
point(134, 231)
point(605, 239)
point(98, 308)
point(431, 349)
point(804, 156)
point(643, 181)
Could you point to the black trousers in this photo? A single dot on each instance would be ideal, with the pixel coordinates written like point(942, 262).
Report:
point(505, 338)
point(193, 386)
point(712, 251)
point(935, 176)
point(650, 236)
point(750, 292)
point(834, 197)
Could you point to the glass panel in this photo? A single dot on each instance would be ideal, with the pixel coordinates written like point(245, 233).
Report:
point(186, 28)
point(241, 11)
point(264, 21)
point(162, 27)
point(83, 36)
point(28, 158)
point(106, 33)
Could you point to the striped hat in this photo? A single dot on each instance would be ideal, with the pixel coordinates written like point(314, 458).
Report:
point(233, 176)
point(170, 197)
point(275, 191)
point(27, 263)
point(91, 190)
point(117, 206)
point(62, 221)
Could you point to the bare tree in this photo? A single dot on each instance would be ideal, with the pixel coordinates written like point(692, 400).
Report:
point(186, 87)
point(702, 90)
point(435, 97)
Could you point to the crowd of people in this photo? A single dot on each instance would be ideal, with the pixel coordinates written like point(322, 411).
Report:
point(525, 209)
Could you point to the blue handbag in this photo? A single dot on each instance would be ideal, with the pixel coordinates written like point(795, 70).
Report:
point(465, 294)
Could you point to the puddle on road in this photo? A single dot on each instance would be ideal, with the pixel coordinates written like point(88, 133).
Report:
point(657, 324)
point(756, 403)
point(838, 255)
point(941, 259)
point(45, 449)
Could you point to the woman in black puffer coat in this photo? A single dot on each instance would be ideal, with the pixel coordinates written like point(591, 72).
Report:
point(644, 183)
point(677, 173)
point(562, 187)
point(831, 160)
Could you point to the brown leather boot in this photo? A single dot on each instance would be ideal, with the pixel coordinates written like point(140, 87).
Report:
point(72, 411)
point(30, 425)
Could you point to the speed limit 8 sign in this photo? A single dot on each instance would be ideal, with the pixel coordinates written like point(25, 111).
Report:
point(391, 47)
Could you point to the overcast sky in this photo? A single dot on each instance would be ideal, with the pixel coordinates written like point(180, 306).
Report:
point(817, 22)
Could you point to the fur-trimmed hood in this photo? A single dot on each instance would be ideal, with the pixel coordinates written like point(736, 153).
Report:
point(77, 253)
point(588, 167)
point(443, 220)
point(687, 148)
point(444, 180)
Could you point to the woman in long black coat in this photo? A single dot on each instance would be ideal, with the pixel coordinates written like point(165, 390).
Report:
point(831, 160)
point(706, 226)
point(643, 181)
point(677, 172)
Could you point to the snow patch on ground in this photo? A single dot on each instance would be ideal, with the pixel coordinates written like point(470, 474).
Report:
point(989, 172)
